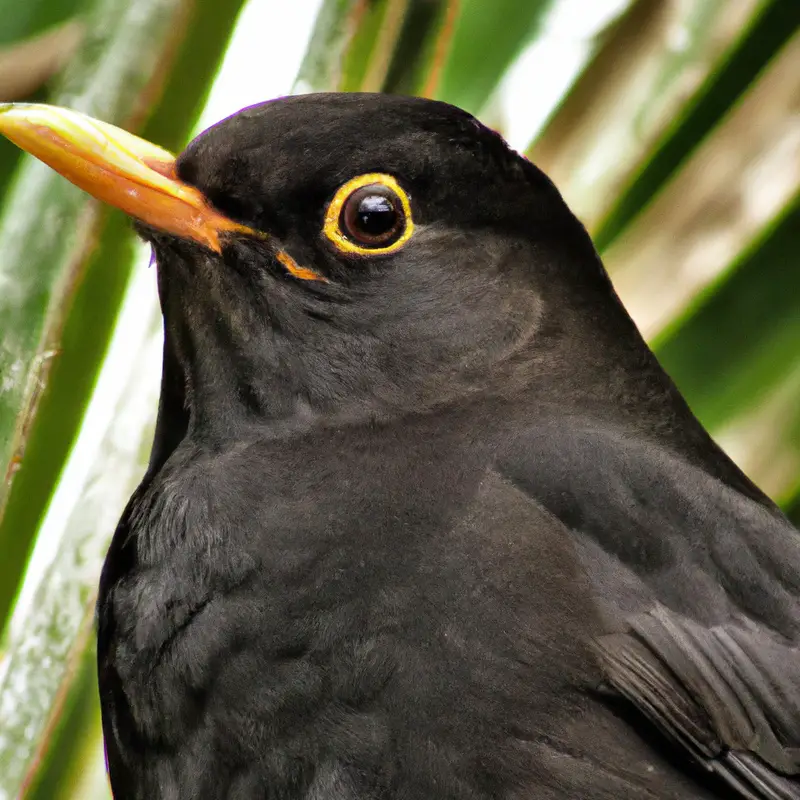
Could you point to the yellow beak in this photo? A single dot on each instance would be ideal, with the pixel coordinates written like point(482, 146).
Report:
point(118, 168)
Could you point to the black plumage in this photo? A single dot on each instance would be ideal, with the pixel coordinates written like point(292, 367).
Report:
point(430, 523)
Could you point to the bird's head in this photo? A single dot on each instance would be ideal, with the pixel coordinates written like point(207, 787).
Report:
point(349, 255)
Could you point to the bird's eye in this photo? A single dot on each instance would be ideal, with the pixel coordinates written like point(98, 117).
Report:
point(369, 215)
point(372, 216)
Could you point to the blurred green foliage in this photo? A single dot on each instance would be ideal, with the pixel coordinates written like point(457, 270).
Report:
point(732, 347)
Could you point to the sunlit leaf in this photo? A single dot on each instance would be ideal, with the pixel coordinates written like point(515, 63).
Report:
point(734, 186)
point(769, 30)
point(336, 27)
point(475, 63)
point(648, 69)
point(735, 355)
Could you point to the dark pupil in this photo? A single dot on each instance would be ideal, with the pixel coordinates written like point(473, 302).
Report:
point(376, 215)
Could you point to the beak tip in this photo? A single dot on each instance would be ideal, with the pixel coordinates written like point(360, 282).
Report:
point(16, 109)
point(6, 114)
point(18, 116)
point(117, 167)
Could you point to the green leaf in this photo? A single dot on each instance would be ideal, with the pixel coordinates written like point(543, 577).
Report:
point(487, 39)
point(21, 20)
point(642, 80)
point(76, 766)
point(792, 507)
point(712, 209)
point(765, 442)
point(52, 619)
point(334, 33)
point(43, 254)
point(736, 358)
point(369, 55)
point(29, 692)
point(423, 48)
point(737, 69)
point(93, 308)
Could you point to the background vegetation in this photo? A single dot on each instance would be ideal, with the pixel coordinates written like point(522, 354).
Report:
point(671, 126)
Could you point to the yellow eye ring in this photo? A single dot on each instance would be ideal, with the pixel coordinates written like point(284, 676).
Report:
point(386, 188)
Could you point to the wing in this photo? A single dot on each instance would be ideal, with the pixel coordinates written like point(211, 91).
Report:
point(727, 694)
point(699, 588)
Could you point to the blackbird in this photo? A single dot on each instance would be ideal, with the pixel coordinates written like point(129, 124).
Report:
point(424, 518)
